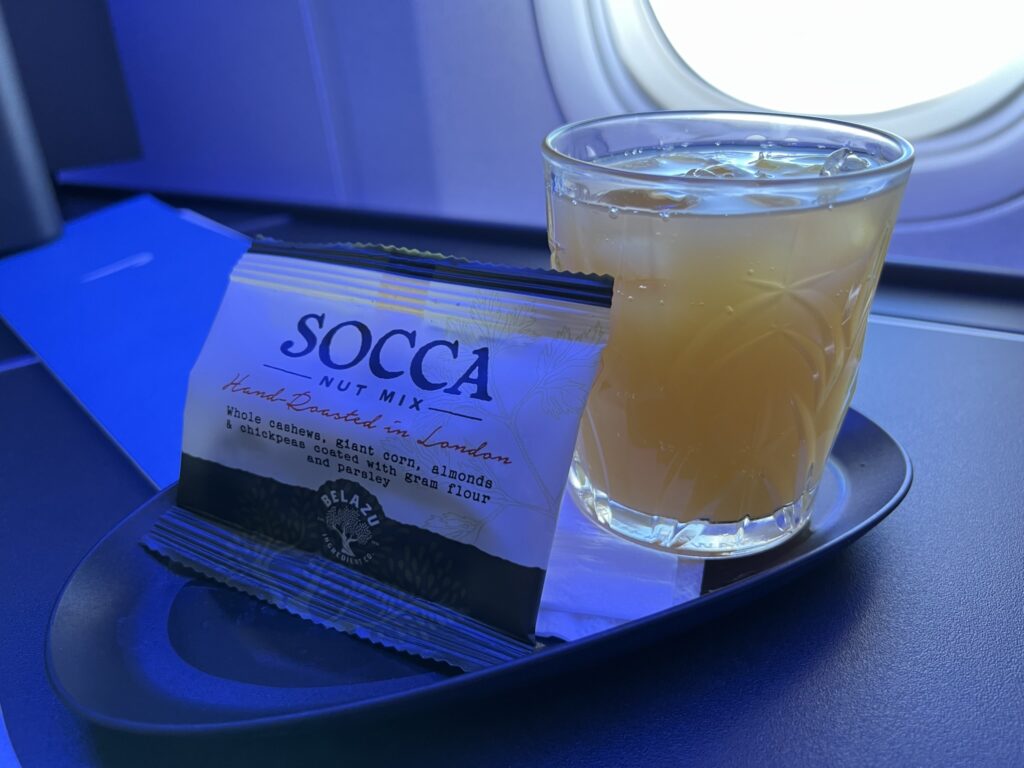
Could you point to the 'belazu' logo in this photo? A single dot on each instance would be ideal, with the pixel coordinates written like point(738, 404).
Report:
point(350, 515)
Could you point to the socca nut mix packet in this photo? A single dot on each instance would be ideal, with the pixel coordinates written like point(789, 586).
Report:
point(378, 440)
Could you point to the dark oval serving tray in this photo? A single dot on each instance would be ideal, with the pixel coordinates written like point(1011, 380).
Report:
point(136, 645)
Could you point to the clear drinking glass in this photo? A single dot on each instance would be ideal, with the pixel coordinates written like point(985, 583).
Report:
point(746, 249)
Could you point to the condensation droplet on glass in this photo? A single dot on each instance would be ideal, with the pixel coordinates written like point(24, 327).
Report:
point(729, 309)
point(613, 212)
point(750, 271)
point(642, 286)
point(664, 214)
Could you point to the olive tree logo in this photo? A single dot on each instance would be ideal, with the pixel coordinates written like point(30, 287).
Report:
point(349, 516)
point(350, 526)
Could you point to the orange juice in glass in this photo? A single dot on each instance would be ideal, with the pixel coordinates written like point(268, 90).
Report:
point(746, 249)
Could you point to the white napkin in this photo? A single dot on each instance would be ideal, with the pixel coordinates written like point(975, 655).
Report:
point(596, 580)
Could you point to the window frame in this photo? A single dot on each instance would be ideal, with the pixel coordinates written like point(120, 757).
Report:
point(611, 56)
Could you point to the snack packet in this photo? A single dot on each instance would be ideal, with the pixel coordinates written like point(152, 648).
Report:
point(378, 441)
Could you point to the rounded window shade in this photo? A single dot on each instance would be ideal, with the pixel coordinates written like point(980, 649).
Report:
point(841, 59)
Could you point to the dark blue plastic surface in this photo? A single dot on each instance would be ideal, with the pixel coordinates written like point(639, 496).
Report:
point(64, 485)
point(139, 646)
point(10, 347)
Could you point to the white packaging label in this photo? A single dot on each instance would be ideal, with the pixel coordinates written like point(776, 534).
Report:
point(419, 430)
